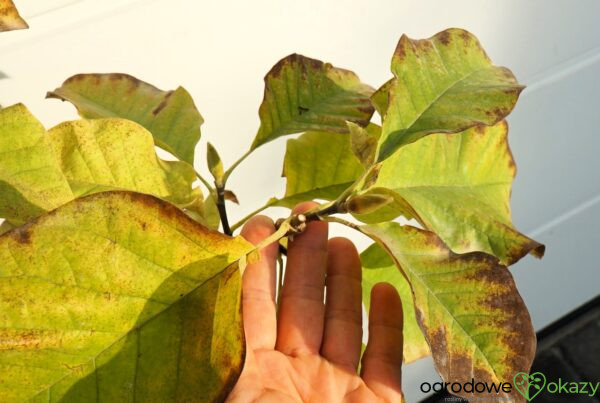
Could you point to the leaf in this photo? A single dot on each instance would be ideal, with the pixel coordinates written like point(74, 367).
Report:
point(9, 17)
point(120, 297)
point(444, 84)
point(5, 226)
point(459, 186)
point(171, 116)
point(31, 181)
point(364, 142)
point(40, 171)
point(303, 94)
point(379, 267)
point(467, 306)
point(206, 213)
point(103, 154)
point(380, 98)
point(318, 165)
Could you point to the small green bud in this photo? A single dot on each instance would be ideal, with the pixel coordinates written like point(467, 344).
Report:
point(215, 166)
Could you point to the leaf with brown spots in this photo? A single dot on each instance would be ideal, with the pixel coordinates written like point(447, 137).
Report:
point(377, 266)
point(171, 116)
point(467, 305)
point(96, 155)
point(10, 18)
point(303, 94)
point(380, 98)
point(444, 84)
point(119, 296)
point(458, 186)
point(41, 170)
point(364, 142)
point(31, 180)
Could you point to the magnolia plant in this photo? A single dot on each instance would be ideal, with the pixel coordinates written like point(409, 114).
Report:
point(116, 286)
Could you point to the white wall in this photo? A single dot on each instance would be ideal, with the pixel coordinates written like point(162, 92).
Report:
point(220, 51)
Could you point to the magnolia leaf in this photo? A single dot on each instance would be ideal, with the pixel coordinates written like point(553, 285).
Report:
point(6, 226)
point(444, 84)
point(102, 154)
point(467, 305)
point(40, 171)
point(9, 17)
point(458, 186)
point(206, 212)
point(377, 266)
point(210, 212)
point(303, 94)
point(380, 98)
point(364, 141)
point(318, 165)
point(31, 180)
point(119, 296)
point(171, 116)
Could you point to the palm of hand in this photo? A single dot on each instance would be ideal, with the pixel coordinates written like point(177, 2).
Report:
point(308, 351)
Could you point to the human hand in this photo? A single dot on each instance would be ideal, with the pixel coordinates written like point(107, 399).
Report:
point(308, 351)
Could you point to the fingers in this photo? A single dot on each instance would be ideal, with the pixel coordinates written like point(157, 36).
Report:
point(300, 324)
point(382, 360)
point(258, 287)
point(343, 308)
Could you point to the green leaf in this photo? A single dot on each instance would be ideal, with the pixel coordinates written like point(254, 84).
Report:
point(5, 226)
point(119, 297)
point(380, 98)
point(318, 165)
point(467, 306)
point(444, 84)
point(206, 212)
point(171, 116)
point(41, 170)
point(459, 186)
point(31, 180)
point(103, 154)
point(364, 141)
point(9, 17)
point(379, 267)
point(303, 94)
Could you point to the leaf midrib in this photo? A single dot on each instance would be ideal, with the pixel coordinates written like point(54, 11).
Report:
point(440, 95)
point(460, 326)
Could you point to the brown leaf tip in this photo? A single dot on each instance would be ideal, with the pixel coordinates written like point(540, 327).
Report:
point(294, 58)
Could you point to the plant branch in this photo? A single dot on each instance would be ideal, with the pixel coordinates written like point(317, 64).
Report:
point(220, 183)
point(222, 209)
